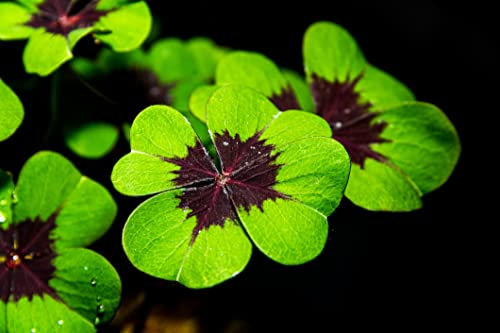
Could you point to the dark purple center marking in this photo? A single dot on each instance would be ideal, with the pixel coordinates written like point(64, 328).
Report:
point(286, 100)
point(248, 174)
point(350, 119)
point(26, 259)
point(62, 16)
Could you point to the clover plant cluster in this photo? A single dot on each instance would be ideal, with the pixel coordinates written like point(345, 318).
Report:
point(234, 154)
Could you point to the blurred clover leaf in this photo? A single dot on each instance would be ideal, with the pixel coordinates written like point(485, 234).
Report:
point(277, 178)
point(48, 281)
point(400, 149)
point(54, 27)
point(11, 111)
point(166, 73)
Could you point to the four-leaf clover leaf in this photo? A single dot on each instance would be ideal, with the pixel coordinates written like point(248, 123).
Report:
point(400, 148)
point(277, 178)
point(53, 27)
point(48, 281)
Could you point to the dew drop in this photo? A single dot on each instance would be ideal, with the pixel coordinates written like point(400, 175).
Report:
point(252, 147)
point(225, 143)
point(3, 218)
point(337, 125)
point(97, 321)
point(93, 282)
point(14, 198)
point(3, 202)
point(100, 309)
point(85, 268)
point(98, 299)
point(33, 330)
point(60, 322)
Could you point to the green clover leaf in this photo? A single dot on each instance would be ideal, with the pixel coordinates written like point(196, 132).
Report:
point(53, 29)
point(11, 111)
point(48, 281)
point(400, 148)
point(280, 176)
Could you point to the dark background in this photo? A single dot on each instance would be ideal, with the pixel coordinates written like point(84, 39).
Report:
point(402, 270)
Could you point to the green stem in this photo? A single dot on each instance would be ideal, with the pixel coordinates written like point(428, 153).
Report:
point(54, 109)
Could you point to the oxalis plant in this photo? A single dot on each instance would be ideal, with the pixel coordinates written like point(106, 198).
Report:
point(231, 153)
point(49, 281)
point(400, 148)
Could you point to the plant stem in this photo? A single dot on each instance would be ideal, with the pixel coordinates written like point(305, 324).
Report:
point(54, 108)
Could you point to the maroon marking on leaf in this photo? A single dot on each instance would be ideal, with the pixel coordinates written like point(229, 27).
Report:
point(286, 100)
point(58, 17)
point(248, 174)
point(155, 91)
point(250, 169)
point(26, 259)
point(350, 119)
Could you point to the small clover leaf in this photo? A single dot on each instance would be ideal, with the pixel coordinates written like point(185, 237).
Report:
point(48, 281)
point(400, 148)
point(54, 27)
point(280, 177)
point(166, 73)
point(11, 111)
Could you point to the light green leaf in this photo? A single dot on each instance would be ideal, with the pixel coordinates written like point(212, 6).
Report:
point(161, 131)
point(239, 116)
point(286, 231)
point(171, 60)
point(381, 89)
point(12, 21)
point(158, 131)
point(11, 111)
point(44, 315)
point(125, 28)
point(6, 191)
point(331, 53)
point(92, 140)
point(87, 283)
point(41, 59)
point(86, 214)
point(253, 70)
point(140, 174)
point(44, 183)
point(424, 144)
point(380, 187)
point(157, 239)
point(198, 101)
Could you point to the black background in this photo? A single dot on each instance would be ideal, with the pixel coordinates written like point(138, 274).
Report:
point(402, 270)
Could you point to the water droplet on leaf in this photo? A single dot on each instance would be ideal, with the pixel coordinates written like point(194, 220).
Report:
point(14, 198)
point(33, 330)
point(98, 299)
point(93, 282)
point(85, 268)
point(60, 322)
point(101, 309)
point(225, 143)
point(3, 218)
point(3, 202)
point(97, 321)
point(337, 125)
